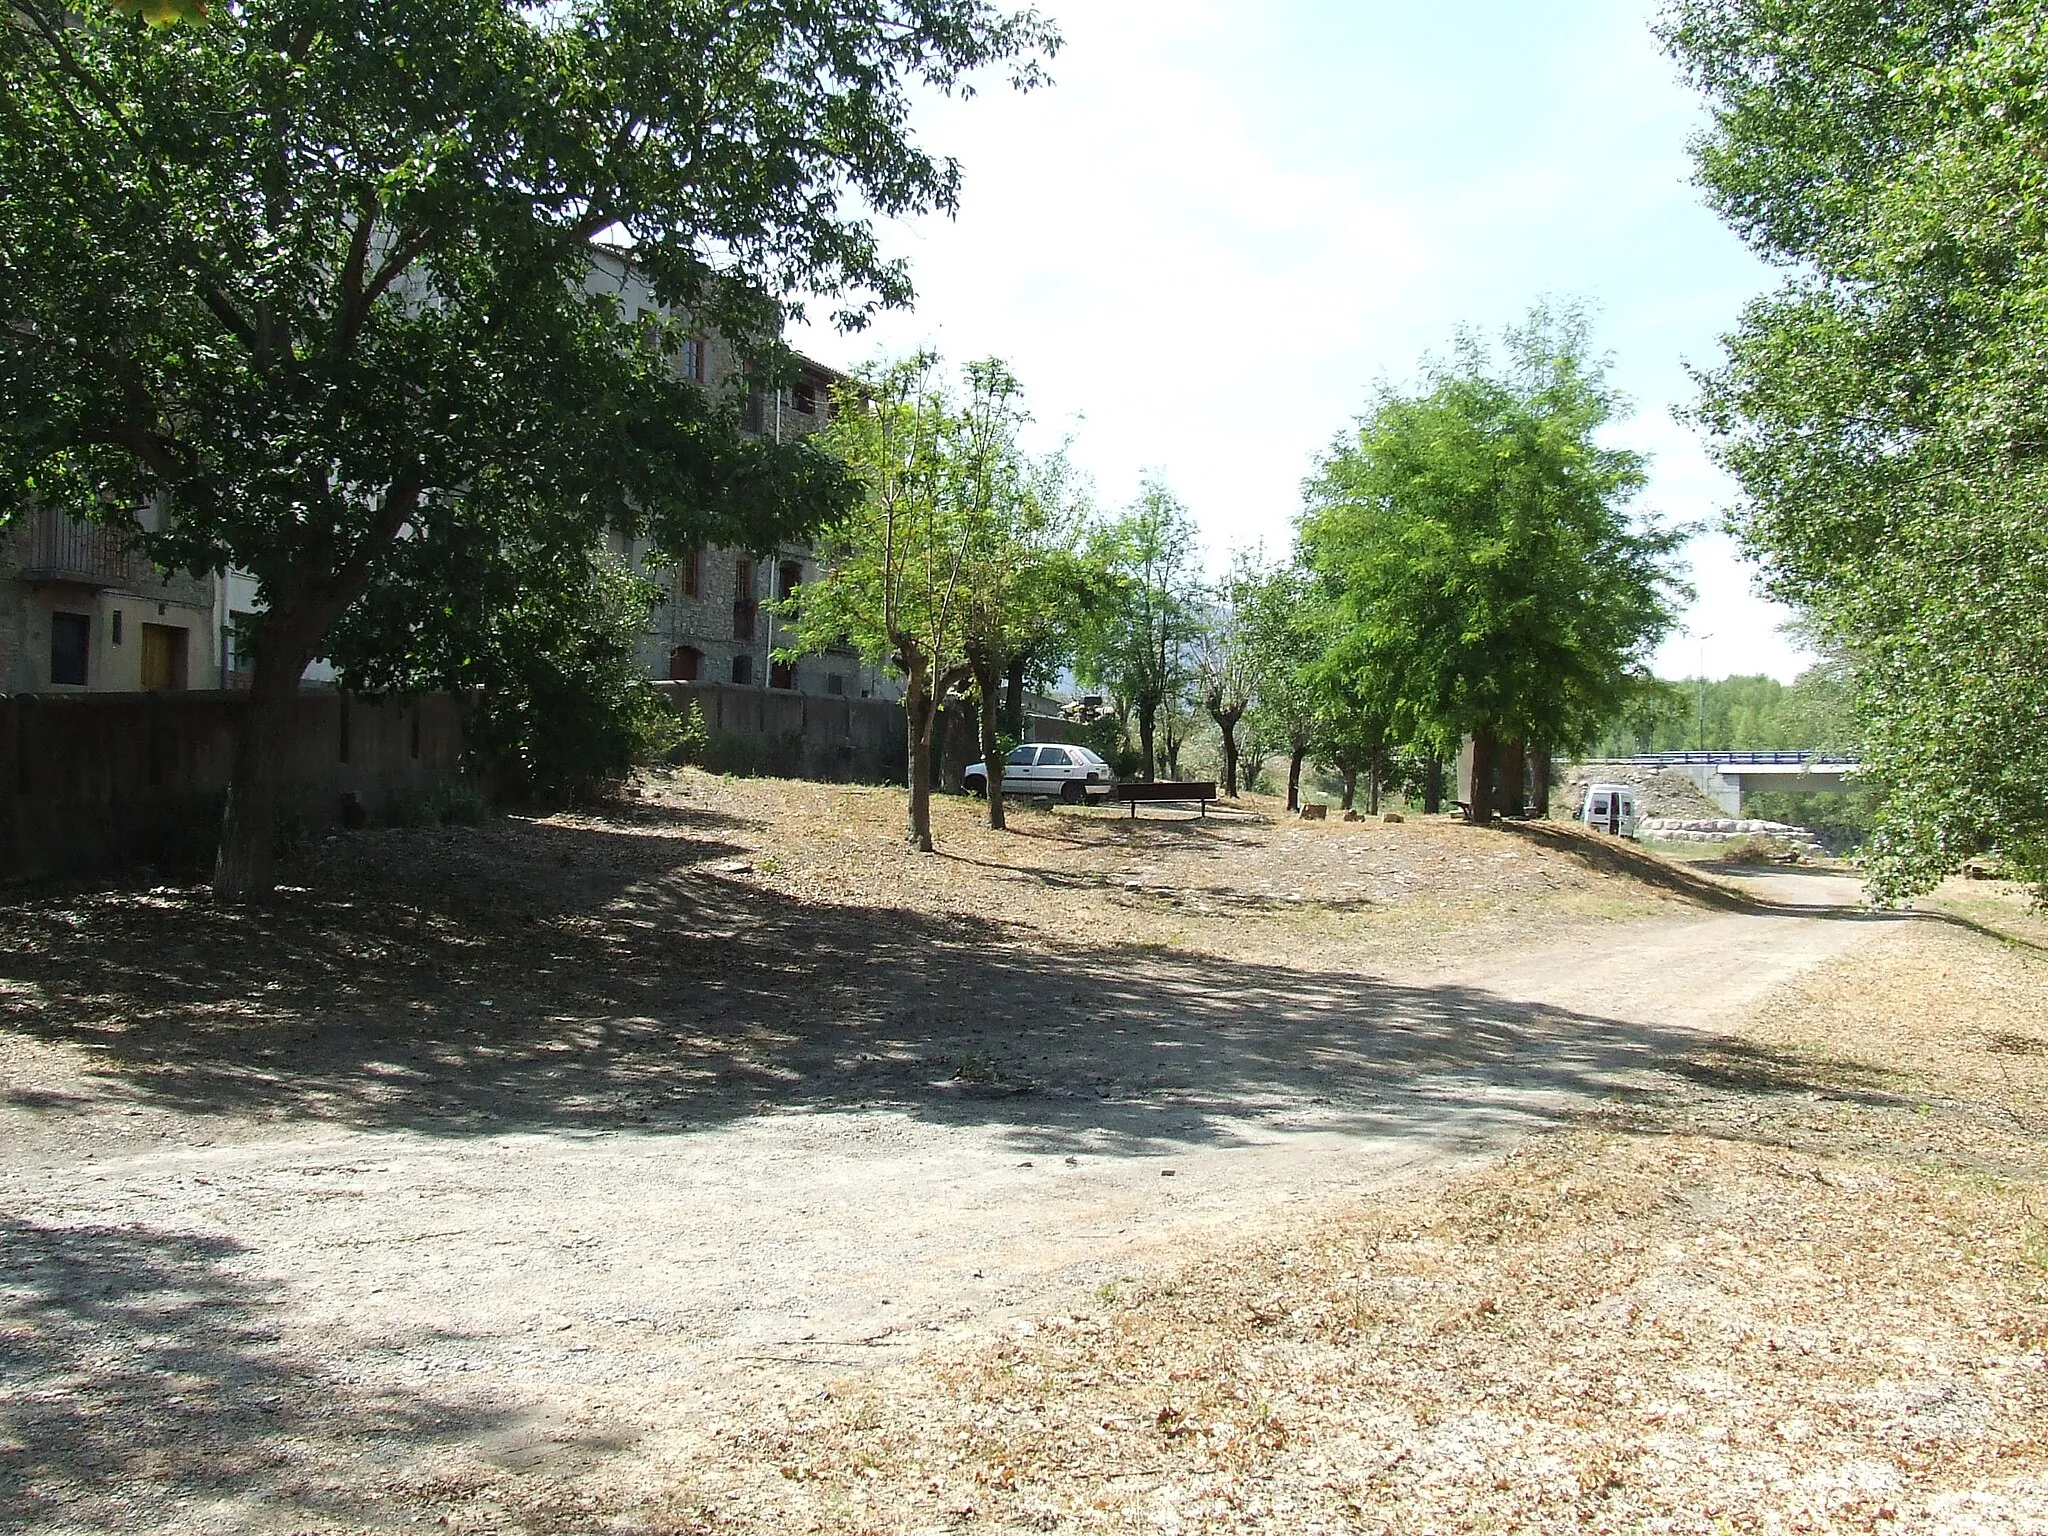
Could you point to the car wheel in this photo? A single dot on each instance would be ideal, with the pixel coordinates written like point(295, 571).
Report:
point(1071, 792)
point(978, 788)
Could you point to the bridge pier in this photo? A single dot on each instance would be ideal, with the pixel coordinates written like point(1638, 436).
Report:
point(1725, 793)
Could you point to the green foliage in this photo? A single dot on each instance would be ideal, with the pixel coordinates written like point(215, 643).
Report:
point(1475, 542)
point(1139, 638)
point(162, 13)
point(940, 566)
point(562, 704)
point(339, 289)
point(1110, 739)
point(1843, 819)
point(894, 561)
point(1886, 409)
point(693, 737)
point(452, 802)
point(1741, 714)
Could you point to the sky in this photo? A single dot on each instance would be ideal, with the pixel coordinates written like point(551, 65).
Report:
point(1221, 225)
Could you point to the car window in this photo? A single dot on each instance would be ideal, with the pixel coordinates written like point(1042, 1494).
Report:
point(1088, 757)
point(1020, 757)
point(1054, 757)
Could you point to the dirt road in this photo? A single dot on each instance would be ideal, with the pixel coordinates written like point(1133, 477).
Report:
point(252, 1319)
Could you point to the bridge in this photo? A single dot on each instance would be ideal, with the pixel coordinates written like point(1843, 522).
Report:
point(1723, 776)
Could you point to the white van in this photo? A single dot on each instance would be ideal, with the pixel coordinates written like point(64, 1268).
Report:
point(1610, 808)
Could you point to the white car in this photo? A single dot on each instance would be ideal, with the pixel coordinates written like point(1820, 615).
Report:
point(1073, 774)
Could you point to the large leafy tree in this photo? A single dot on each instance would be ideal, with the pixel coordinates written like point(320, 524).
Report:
point(1886, 409)
point(939, 480)
point(331, 286)
point(1284, 616)
point(1487, 574)
point(1021, 518)
point(1140, 638)
point(1230, 660)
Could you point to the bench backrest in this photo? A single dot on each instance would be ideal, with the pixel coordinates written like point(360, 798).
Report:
point(1194, 789)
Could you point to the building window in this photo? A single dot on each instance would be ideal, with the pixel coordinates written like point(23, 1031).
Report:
point(805, 398)
point(743, 605)
point(240, 641)
point(690, 574)
point(693, 359)
point(685, 662)
point(781, 674)
point(115, 628)
point(70, 648)
point(835, 683)
point(788, 577)
point(743, 670)
point(754, 412)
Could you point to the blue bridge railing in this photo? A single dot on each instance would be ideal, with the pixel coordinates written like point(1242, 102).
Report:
point(1743, 759)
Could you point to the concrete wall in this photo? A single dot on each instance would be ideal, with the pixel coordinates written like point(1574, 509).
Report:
point(1054, 728)
point(796, 735)
point(89, 781)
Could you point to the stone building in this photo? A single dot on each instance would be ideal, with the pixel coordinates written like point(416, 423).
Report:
point(712, 625)
point(82, 612)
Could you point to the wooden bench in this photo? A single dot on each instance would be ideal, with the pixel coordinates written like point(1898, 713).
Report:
point(1203, 790)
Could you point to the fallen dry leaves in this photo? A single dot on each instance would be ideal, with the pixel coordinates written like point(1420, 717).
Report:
point(1742, 1308)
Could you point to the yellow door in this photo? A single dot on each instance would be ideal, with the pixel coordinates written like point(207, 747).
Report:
point(163, 658)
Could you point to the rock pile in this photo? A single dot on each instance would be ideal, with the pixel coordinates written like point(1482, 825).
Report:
point(1665, 791)
point(1726, 829)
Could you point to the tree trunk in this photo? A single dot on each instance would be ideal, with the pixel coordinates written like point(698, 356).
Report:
point(985, 675)
point(918, 716)
point(1514, 779)
point(245, 867)
point(1372, 784)
point(1433, 787)
point(1148, 716)
point(959, 734)
point(1539, 766)
point(1226, 722)
point(1013, 700)
point(1297, 752)
point(1247, 770)
point(1485, 759)
point(1350, 788)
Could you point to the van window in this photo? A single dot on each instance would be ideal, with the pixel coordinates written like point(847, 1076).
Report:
point(1599, 805)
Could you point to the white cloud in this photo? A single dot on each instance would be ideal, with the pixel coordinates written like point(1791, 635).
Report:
point(1205, 242)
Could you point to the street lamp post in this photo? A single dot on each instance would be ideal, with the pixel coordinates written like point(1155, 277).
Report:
point(1703, 639)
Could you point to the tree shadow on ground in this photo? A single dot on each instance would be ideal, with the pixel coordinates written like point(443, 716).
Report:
point(142, 1383)
point(1612, 856)
point(542, 975)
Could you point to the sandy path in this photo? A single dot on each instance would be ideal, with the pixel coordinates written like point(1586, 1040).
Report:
point(328, 1301)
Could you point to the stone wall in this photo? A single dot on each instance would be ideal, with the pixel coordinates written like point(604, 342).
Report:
point(90, 781)
point(796, 735)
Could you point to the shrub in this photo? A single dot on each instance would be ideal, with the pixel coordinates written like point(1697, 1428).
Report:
point(693, 737)
point(567, 708)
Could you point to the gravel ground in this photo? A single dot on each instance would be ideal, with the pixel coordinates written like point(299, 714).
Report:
point(527, 1175)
